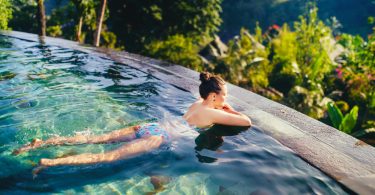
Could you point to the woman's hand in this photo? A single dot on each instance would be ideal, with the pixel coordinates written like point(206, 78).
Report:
point(228, 108)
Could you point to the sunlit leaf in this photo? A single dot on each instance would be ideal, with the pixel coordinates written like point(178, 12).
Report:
point(334, 114)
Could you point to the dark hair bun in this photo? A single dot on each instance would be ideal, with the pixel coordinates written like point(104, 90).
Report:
point(210, 84)
point(204, 77)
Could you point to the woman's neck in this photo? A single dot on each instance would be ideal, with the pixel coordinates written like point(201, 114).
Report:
point(208, 104)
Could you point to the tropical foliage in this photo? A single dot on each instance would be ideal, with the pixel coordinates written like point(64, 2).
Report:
point(308, 65)
point(24, 11)
point(142, 22)
point(178, 49)
point(344, 123)
point(5, 13)
point(348, 15)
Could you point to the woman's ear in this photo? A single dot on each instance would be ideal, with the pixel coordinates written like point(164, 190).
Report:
point(211, 97)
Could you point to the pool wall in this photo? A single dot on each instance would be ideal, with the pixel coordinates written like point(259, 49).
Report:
point(346, 159)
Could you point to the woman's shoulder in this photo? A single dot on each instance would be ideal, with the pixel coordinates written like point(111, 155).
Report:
point(194, 106)
point(197, 102)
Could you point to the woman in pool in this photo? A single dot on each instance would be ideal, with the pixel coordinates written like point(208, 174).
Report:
point(210, 109)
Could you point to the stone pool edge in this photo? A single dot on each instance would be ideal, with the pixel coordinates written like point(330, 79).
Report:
point(344, 158)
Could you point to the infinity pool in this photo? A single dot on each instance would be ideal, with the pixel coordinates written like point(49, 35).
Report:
point(48, 91)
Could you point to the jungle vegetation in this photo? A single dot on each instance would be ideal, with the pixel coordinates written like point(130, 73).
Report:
point(307, 64)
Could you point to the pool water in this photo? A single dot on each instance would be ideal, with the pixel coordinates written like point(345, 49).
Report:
point(48, 91)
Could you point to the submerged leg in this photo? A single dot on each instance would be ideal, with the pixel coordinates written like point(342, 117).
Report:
point(114, 136)
point(126, 151)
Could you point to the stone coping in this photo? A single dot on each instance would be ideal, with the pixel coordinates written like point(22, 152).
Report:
point(346, 159)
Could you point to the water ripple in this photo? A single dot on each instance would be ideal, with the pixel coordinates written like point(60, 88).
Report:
point(48, 91)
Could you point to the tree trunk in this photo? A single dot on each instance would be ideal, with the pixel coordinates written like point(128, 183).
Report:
point(99, 23)
point(41, 17)
point(79, 29)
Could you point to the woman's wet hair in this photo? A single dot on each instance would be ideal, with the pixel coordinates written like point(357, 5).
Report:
point(210, 84)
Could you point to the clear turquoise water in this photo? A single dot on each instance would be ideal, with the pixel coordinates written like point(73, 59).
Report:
point(48, 90)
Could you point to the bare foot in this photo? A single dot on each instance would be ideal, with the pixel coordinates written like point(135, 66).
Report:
point(34, 144)
point(37, 170)
point(43, 163)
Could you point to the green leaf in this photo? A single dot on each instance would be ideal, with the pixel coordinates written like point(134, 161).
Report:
point(316, 67)
point(349, 120)
point(334, 114)
point(372, 100)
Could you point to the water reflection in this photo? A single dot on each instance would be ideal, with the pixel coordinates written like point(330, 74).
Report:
point(212, 139)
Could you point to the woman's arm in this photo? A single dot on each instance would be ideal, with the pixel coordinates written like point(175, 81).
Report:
point(229, 117)
point(228, 108)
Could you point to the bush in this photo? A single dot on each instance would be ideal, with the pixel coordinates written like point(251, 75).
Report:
point(286, 72)
point(246, 62)
point(343, 123)
point(5, 13)
point(313, 45)
point(311, 102)
point(284, 75)
point(177, 49)
point(108, 39)
point(54, 31)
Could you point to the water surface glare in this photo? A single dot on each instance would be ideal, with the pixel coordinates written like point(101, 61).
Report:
point(48, 91)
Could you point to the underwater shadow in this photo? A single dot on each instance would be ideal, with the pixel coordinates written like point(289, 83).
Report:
point(212, 139)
